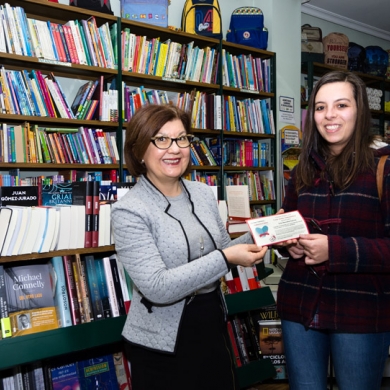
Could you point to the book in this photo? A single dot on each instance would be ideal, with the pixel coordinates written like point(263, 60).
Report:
point(98, 373)
point(82, 193)
point(122, 370)
point(30, 293)
point(5, 321)
point(103, 287)
point(61, 298)
point(55, 194)
point(65, 377)
point(117, 285)
point(81, 289)
point(111, 287)
point(5, 218)
point(92, 279)
point(72, 290)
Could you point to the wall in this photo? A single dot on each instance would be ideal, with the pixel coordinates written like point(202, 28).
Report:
point(353, 35)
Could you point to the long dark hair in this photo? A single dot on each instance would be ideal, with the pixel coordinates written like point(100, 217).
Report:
point(357, 155)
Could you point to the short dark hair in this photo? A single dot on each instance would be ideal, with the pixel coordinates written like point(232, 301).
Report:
point(145, 124)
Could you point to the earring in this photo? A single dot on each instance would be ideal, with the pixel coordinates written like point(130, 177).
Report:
point(142, 161)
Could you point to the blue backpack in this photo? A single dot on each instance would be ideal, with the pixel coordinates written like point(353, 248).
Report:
point(377, 60)
point(356, 57)
point(247, 28)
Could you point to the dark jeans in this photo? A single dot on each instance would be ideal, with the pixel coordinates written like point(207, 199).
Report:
point(358, 359)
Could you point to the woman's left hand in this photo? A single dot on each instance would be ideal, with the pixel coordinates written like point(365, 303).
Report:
point(315, 248)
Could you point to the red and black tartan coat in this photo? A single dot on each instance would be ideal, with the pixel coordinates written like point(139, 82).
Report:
point(352, 290)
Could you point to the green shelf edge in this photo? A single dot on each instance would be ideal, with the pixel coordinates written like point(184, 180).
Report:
point(255, 372)
point(44, 345)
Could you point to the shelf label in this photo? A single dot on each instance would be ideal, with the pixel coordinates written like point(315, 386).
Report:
point(54, 62)
point(174, 80)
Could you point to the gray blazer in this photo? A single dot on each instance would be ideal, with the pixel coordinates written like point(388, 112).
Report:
point(154, 250)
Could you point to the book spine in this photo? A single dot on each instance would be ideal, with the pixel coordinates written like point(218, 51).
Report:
point(72, 291)
point(61, 294)
point(95, 213)
point(103, 288)
point(97, 305)
point(117, 285)
point(111, 287)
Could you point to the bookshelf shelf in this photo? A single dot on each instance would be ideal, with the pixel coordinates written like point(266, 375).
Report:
point(49, 344)
point(45, 255)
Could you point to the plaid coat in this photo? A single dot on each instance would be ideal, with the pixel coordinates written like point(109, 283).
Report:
point(352, 290)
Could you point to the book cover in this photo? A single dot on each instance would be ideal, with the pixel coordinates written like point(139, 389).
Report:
point(61, 298)
point(65, 377)
point(5, 322)
point(55, 194)
point(30, 294)
point(98, 373)
point(271, 343)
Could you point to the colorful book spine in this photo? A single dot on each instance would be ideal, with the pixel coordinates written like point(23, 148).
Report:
point(72, 290)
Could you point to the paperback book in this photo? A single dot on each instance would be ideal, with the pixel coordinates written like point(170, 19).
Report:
point(30, 293)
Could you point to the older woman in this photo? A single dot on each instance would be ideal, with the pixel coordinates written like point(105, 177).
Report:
point(170, 237)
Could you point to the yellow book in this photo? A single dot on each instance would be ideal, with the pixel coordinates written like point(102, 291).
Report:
point(162, 58)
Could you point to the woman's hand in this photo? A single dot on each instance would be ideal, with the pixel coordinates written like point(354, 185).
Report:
point(315, 248)
point(246, 255)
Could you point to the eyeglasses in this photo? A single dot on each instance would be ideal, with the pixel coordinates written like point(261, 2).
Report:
point(163, 142)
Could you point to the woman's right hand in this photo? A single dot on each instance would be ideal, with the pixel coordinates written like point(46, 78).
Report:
point(246, 255)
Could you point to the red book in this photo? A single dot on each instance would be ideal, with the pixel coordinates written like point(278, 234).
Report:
point(72, 290)
point(234, 344)
point(71, 44)
point(58, 41)
point(236, 279)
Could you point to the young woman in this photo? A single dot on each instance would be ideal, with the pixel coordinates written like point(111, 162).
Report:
point(334, 296)
point(170, 237)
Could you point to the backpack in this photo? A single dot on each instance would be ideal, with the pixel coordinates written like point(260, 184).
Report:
point(336, 50)
point(98, 6)
point(202, 17)
point(356, 57)
point(247, 28)
point(377, 60)
point(146, 11)
point(311, 39)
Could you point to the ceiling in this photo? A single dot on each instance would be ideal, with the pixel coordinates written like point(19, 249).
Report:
point(371, 17)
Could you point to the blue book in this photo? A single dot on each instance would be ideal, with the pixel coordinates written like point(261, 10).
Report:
point(34, 100)
point(61, 298)
point(103, 288)
point(98, 373)
point(65, 377)
point(265, 116)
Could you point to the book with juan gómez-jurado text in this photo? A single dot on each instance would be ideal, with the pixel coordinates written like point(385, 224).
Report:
point(30, 294)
